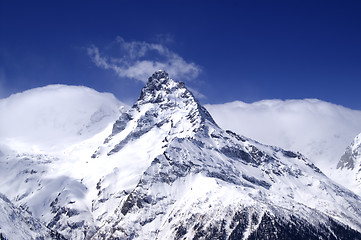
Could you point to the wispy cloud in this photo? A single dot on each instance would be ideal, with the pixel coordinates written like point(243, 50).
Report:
point(197, 93)
point(164, 38)
point(138, 60)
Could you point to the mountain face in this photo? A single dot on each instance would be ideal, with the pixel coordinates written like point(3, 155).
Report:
point(350, 164)
point(16, 223)
point(351, 158)
point(165, 170)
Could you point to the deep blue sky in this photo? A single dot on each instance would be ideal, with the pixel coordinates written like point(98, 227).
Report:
point(246, 50)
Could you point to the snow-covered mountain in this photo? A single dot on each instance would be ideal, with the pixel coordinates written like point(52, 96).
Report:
point(319, 130)
point(165, 170)
point(349, 166)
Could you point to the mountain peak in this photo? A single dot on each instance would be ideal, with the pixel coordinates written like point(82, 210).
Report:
point(158, 86)
point(168, 93)
point(349, 165)
point(163, 104)
point(159, 76)
point(352, 153)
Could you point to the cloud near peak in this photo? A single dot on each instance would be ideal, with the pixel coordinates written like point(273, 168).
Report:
point(138, 60)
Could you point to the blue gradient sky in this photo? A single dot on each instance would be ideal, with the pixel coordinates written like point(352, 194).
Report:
point(233, 50)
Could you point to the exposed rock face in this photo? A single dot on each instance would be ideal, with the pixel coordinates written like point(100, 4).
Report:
point(349, 165)
point(15, 223)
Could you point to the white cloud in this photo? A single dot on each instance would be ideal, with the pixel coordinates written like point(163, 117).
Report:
point(164, 38)
point(55, 116)
point(138, 60)
point(196, 93)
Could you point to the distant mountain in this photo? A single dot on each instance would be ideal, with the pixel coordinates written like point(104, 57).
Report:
point(349, 166)
point(319, 130)
point(166, 170)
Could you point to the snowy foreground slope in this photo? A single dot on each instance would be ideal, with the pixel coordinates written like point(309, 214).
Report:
point(165, 170)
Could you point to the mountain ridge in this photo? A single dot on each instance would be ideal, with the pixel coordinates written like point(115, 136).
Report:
point(319, 130)
point(349, 166)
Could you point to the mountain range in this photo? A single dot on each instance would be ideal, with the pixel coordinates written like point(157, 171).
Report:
point(161, 169)
point(320, 130)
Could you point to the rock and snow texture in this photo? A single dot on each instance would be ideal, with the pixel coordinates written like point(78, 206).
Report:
point(165, 170)
point(203, 182)
point(18, 224)
point(319, 130)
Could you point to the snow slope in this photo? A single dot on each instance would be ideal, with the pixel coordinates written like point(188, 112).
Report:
point(165, 170)
point(18, 224)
